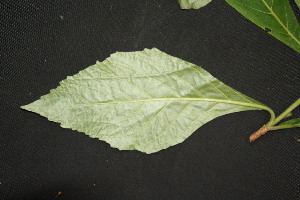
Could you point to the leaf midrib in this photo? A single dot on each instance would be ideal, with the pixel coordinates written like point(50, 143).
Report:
point(279, 21)
point(170, 99)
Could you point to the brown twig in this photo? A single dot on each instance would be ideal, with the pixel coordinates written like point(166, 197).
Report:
point(258, 133)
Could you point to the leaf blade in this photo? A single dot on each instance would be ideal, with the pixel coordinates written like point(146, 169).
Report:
point(144, 100)
point(193, 4)
point(274, 15)
point(292, 122)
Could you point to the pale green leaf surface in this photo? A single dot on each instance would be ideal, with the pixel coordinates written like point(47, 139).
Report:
point(193, 4)
point(298, 3)
point(146, 100)
point(274, 15)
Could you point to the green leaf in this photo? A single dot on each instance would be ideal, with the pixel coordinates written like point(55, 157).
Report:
point(275, 16)
point(292, 122)
point(193, 4)
point(298, 3)
point(145, 100)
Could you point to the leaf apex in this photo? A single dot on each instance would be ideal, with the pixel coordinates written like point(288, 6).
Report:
point(23, 107)
point(26, 107)
point(30, 107)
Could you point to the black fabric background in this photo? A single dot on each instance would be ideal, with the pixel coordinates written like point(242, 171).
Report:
point(43, 42)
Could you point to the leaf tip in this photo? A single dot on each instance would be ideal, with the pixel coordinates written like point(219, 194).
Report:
point(27, 107)
point(24, 107)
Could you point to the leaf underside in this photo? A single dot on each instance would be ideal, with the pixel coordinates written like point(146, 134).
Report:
point(193, 4)
point(275, 16)
point(146, 100)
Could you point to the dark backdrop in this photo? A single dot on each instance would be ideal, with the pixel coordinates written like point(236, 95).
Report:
point(42, 42)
